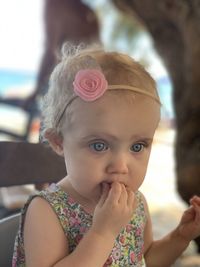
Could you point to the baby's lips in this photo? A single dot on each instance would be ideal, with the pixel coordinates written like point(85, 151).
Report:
point(110, 184)
point(106, 185)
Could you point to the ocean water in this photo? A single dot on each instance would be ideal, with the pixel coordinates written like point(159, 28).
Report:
point(10, 79)
point(14, 82)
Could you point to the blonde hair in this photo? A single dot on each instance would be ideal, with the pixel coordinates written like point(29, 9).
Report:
point(118, 69)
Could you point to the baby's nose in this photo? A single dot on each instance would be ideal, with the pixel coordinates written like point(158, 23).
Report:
point(118, 165)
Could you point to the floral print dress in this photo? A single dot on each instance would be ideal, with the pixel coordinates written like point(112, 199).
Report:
point(75, 221)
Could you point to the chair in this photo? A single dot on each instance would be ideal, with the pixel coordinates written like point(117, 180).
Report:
point(8, 230)
point(24, 163)
point(29, 163)
point(29, 107)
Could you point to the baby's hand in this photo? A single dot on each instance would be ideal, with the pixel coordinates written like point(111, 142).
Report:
point(114, 209)
point(189, 227)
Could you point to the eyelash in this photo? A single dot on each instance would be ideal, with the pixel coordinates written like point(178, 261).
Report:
point(103, 146)
point(142, 146)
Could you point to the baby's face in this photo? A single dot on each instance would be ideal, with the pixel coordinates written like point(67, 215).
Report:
point(110, 140)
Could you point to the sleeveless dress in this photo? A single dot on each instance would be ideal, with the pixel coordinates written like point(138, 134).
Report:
point(75, 221)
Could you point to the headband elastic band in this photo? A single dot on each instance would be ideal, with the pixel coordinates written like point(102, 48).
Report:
point(110, 87)
point(134, 89)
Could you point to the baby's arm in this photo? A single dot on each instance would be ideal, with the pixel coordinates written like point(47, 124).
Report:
point(46, 244)
point(163, 252)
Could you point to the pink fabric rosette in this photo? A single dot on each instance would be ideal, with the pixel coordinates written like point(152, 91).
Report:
point(90, 84)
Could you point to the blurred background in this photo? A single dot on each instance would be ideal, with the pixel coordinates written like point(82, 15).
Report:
point(24, 29)
point(22, 48)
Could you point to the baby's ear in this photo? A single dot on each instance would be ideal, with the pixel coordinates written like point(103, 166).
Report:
point(55, 140)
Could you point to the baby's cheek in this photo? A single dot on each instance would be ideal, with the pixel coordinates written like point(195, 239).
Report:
point(136, 185)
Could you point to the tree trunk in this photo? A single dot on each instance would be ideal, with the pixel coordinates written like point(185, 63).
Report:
point(175, 29)
point(64, 20)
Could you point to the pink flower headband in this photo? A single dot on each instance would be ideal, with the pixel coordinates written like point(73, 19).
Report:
point(91, 84)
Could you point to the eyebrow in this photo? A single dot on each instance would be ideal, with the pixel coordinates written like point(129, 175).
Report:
point(110, 136)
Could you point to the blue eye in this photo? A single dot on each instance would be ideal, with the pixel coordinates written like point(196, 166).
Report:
point(98, 146)
point(137, 147)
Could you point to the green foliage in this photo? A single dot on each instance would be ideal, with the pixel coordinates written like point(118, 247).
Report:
point(123, 32)
point(125, 27)
point(122, 27)
point(118, 30)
